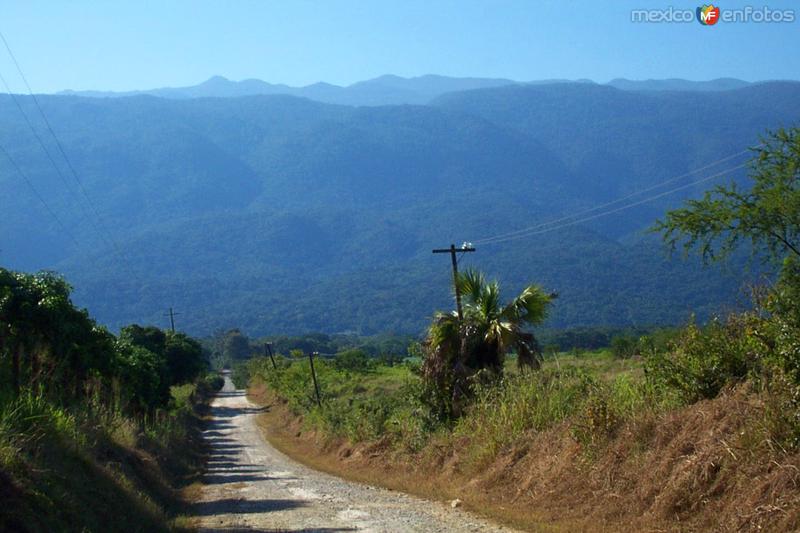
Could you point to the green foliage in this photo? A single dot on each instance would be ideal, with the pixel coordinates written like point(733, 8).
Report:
point(624, 346)
point(240, 375)
point(782, 330)
point(185, 358)
point(236, 346)
point(44, 340)
point(503, 412)
point(388, 346)
point(760, 346)
point(768, 215)
point(356, 405)
point(389, 404)
point(150, 338)
point(182, 355)
point(705, 360)
point(352, 360)
point(48, 346)
point(80, 468)
point(79, 407)
point(455, 351)
point(142, 375)
point(763, 344)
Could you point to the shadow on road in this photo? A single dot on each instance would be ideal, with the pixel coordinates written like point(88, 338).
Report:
point(230, 394)
point(304, 530)
point(238, 506)
point(220, 479)
point(231, 468)
point(221, 413)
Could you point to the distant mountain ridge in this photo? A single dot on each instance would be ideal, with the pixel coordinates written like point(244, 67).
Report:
point(394, 90)
point(384, 90)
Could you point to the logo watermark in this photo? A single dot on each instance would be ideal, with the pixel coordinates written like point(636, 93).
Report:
point(709, 15)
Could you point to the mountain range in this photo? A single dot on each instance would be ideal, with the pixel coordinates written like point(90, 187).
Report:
point(281, 214)
point(394, 90)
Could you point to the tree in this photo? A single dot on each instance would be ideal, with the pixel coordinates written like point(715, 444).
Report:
point(354, 359)
point(45, 338)
point(185, 358)
point(142, 376)
point(236, 345)
point(623, 346)
point(181, 356)
point(768, 215)
point(456, 351)
point(149, 337)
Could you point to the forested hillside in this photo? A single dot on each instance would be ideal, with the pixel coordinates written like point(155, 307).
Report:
point(281, 214)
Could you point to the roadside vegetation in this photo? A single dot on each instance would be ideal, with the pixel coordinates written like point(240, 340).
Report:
point(97, 432)
point(695, 427)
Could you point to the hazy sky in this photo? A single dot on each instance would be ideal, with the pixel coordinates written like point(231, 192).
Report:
point(80, 44)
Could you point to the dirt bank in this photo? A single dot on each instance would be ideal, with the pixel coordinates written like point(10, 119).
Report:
point(702, 468)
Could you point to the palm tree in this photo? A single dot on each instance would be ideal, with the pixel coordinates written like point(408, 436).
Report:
point(455, 352)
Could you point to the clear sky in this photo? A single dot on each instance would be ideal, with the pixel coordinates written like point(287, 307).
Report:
point(114, 45)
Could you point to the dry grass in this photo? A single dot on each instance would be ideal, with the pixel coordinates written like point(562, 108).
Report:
point(707, 467)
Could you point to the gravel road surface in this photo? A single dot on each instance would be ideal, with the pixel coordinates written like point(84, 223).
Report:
point(251, 486)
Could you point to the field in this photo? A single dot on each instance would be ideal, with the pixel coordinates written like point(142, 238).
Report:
point(585, 443)
point(371, 400)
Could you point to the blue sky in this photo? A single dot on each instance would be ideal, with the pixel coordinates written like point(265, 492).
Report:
point(113, 45)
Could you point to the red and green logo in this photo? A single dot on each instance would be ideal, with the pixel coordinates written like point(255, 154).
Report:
point(708, 15)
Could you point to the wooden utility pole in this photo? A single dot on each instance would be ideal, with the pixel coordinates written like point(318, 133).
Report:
point(314, 376)
point(268, 350)
point(466, 247)
point(172, 319)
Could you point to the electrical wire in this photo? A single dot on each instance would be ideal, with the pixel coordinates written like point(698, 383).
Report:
point(613, 202)
point(622, 208)
point(99, 225)
point(83, 213)
point(38, 195)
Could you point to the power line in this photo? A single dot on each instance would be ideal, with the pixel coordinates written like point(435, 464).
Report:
point(608, 204)
point(39, 196)
point(60, 147)
point(84, 214)
point(99, 226)
point(628, 206)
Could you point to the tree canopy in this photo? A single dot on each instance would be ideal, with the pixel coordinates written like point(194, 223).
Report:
point(50, 347)
point(767, 215)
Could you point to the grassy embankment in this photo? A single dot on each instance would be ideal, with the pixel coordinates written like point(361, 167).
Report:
point(91, 468)
point(586, 443)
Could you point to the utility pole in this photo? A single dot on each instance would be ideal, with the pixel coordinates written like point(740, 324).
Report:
point(268, 350)
point(466, 247)
point(172, 319)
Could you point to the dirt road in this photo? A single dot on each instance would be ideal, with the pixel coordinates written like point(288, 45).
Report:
point(251, 486)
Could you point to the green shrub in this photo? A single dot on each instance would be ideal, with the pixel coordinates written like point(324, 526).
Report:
point(704, 360)
point(624, 346)
point(240, 375)
point(353, 360)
